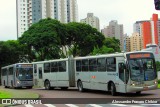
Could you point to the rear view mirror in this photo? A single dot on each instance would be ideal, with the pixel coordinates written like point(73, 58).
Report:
point(157, 4)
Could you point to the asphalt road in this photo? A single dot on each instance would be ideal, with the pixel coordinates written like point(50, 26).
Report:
point(90, 98)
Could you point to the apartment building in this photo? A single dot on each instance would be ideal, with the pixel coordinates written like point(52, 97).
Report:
point(126, 43)
point(136, 42)
point(31, 11)
point(114, 30)
point(92, 21)
point(149, 30)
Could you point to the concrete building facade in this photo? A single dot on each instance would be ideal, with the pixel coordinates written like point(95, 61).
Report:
point(114, 30)
point(92, 21)
point(31, 11)
point(136, 42)
point(24, 15)
point(126, 43)
point(150, 30)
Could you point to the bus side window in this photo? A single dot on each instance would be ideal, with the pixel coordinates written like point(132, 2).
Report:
point(11, 71)
point(121, 71)
point(46, 67)
point(35, 68)
point(93, 65)
point(40, 72)
point(85, 64)
point(54, 66)
point(78, 66)
point(101, 65)
point(62, 66)
point(111, 64)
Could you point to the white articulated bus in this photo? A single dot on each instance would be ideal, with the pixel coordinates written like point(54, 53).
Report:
point(17, 75)
point(120, 72)
point(54, 73)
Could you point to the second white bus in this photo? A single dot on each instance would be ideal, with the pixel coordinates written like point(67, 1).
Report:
point(121, 72)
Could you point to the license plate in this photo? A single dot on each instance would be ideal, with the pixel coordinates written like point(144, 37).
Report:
point(145, 88)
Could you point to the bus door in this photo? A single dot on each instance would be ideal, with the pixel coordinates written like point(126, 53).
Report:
point(14, 76)
point(122, 77)
point(40, 82)
point(7, 82)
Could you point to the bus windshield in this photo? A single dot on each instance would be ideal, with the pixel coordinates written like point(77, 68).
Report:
point(24, 73)
point(142, 69)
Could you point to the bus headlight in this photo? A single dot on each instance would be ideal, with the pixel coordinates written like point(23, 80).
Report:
point(18, 82)
point(155, 82)
point(133, 84)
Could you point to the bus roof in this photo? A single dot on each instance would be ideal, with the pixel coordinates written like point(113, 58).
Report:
point(54, 60)
point(101, 56)
point(14, 65)
point(122, 54)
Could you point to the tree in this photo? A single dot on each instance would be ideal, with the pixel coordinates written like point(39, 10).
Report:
point(102, 50)
point(43, 38)
point(112, 43)
point(50, 39)
point(11, 52)
point(82, 38)
point(158, 65)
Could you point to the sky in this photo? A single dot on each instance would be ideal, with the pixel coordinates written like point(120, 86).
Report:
point(126, 12)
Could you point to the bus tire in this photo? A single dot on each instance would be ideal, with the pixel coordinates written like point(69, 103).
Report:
point(29, 87)
point(80, 86)
point(64, 88)
point(47, 85)
point(113, 89)
point(12, 84)
point(138, 92)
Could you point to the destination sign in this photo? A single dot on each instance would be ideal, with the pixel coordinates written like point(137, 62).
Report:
point(140, 55)
point(24, 65)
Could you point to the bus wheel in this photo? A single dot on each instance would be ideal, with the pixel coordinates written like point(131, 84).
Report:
point(64, 88)
point(12, 84)
point(138, 92)
point(80, 86)
point(29, 87)
point(47, 85)
point(113, 89)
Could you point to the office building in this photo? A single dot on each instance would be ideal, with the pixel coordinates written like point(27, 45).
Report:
point(92, 21)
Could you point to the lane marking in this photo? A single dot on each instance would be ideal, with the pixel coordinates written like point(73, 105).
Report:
point(49, 105)
point(95, 105)
point(71, 105)
point(28, 105)
point(151, 104)
point(122, 105)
